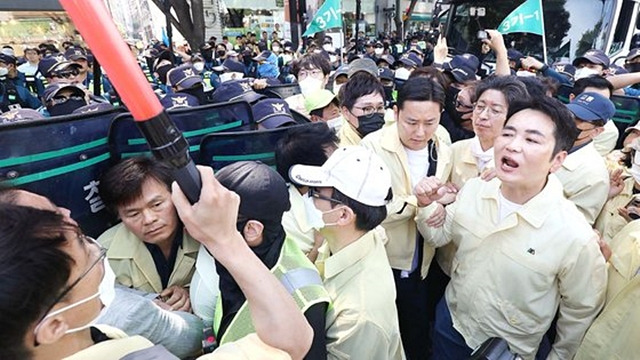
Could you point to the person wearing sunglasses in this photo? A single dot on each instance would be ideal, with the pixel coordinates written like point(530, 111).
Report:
point(63, 98)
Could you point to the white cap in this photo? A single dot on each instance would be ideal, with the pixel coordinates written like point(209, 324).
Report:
point(354, 171)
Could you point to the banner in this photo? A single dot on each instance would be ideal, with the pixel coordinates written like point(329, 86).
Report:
point(526, 18)
point(329, 16)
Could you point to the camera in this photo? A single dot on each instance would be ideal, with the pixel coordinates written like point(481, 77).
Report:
point(483, 35)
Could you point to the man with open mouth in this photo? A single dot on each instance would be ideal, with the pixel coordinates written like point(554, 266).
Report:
point(525, 253)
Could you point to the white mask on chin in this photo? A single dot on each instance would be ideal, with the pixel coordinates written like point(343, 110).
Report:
point(335, 123)
point(585, 72)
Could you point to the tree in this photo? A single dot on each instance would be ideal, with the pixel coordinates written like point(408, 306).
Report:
point(189, 19)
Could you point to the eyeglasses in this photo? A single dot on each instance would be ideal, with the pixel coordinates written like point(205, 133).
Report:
point(462, 106)
point(302, 74)
point(102, 253)
point(368, 111)
point(313, 192)
point(57, 100)
point(479, 109)
point(65, 74)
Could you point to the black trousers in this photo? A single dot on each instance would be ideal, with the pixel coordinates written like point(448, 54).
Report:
point(416, 300)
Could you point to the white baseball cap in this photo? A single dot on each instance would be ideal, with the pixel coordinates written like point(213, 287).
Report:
point(353, 170)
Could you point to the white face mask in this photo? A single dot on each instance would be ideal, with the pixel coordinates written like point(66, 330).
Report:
point(310, 85)
point(336, 88)
point(327, 47)
point(314, 216)
point(106, 293)
point(635, 167)
point(402, 73)
point(585, 72)
point(275, 49)
point(378, 51)
point(199, 66)
point(333, 58)
point(286, 58)
point(3, 71)
point(335, 124)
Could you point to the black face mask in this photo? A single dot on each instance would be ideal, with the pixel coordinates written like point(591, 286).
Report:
point(370, 123)
point(162, 73)
point(633, 67)
point(221, 53)
point(198, 93)
point(66, 107)
point(207, 55)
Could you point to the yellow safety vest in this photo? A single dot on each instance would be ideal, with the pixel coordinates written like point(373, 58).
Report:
point(298, 275)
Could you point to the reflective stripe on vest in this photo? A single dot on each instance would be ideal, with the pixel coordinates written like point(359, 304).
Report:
point(298, 275)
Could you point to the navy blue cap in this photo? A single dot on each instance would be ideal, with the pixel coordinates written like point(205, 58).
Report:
point(388, 58)
point(513, 54)
point(463, 67)
point(185, 76)
point(8, 59)
point(564, 68)
point(594, 56)
point(386, 73)
point(74, 53)
point(272, 113)
point(178, 100)
point(617, 70)
point(263, 192)
point(590, 106)
point(19, 115)
point(53, 89)
point(634, 53)
point(263, 56)
point(411, 59)
point(235, 90)
point(230, 65)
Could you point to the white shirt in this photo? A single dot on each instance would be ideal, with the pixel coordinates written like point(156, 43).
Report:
point(418, 164)
point(482, 157)
point(506, 207)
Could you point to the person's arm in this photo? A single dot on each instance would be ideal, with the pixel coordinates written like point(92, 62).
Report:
point(496, 43)
point(582, 283)
point(532, 63)
point(623, 80)
point(212, 221)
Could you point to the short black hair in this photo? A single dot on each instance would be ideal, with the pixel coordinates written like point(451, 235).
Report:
point(311, 61)
point(432, 73)
point(534, 86)
point(597, 82)
point(421, 88)
point(304, 146)
point(565, 130)
point(367, 217)
point(35, 271)
point(510, 86)
point(122, 183)
point(359, 85)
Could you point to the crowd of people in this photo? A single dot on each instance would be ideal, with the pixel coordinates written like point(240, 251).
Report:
point(428, 208)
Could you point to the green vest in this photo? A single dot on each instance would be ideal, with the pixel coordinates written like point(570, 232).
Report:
point(298, 275)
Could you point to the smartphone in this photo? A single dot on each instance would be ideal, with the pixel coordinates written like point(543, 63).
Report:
point(482, 35)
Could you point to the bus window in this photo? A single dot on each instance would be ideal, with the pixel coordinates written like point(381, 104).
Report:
point(622, 27)
point(571, 26)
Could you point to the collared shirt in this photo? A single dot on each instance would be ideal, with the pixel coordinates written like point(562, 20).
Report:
point(403, 208)
point(464, 166)
point(133, 264)
point(614, 333)
point(164, 266)
point(363, 321)
point(117, 347)
point(295, 222)
point(609, 222)
point(585, 181)
point(510, 277)
point(348, 135)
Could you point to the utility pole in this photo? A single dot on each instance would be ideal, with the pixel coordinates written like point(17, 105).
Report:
point(358, 14)
point(167, 13)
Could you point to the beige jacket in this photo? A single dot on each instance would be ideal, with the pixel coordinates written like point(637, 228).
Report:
point(400, 224)
point(511, 277)
point(134, 267)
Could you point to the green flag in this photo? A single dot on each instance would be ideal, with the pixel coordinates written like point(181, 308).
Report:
point(328, 16)
point(526, 18)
